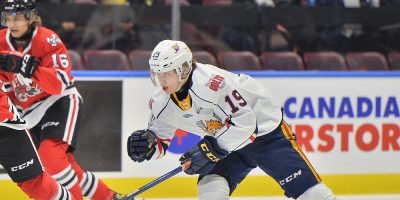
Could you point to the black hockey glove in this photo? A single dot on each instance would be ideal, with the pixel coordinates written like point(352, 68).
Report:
point(15, 62)
point(141, 145)
point(203, 156)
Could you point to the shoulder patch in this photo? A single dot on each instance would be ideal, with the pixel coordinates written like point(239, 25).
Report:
point(216, 82)
point(53, 40)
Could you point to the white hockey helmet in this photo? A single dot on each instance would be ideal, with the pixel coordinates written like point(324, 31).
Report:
point(171, 55)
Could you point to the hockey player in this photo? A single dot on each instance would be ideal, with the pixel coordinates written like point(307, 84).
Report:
point(241, 123)
point(19, 157)
point(36, 71)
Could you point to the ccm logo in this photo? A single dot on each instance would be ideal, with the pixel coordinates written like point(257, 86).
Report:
point(290, 178)
point(210, 156)
point(20, 167)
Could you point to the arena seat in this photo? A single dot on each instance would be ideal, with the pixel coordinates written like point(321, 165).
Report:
point(328, 60)
point(106, 60)
point(139, 59)
point(76, 60)
point(194, 37)
point(238, 60)
point(204, 57)
point(366, 61)
point(394, 60)
point(281, 60)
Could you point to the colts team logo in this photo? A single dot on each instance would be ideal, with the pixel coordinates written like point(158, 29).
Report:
point(175, 47)
point(24, 88)
point(53, 40)
point(211, 126)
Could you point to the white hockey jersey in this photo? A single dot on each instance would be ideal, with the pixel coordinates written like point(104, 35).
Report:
point(234, 108)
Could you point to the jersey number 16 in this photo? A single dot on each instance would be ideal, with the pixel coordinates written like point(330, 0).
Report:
point(63, 58)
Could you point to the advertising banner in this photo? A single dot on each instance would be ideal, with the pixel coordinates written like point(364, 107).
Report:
point(345, 124)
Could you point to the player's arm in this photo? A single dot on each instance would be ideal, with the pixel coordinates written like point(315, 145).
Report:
point(51, 72)
point(54, 72)
point(240, 121)
point(16, 62)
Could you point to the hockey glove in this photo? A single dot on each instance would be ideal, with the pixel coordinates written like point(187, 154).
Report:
point(141, 145)
point(15, 62)
point(203, 156)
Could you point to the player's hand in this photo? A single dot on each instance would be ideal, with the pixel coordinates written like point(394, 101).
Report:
point(16, 62)
point(203, 156)
point(141, 145)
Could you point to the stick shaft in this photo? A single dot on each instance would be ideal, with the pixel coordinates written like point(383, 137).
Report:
point(153, 183)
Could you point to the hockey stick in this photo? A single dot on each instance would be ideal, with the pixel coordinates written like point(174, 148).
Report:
point(153, 183)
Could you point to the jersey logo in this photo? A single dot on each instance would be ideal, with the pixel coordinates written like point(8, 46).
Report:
point(156, 55)
point(53, 40)
point(199, 110)
point(48, 124)
point(216, 82)
point(24, 88)
point(211, 126)
point(187, 115)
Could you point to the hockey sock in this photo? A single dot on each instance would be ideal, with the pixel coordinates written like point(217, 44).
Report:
point(213, 187)
point(91, 186)
point(317, 192)
point(43, 187)
point(53, 154)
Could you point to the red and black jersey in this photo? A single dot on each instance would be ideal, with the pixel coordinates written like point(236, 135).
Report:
point(51, 81)
point(53, 75)
point(8, 113)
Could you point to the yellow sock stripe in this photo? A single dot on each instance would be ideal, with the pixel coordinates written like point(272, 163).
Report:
point(290, 136)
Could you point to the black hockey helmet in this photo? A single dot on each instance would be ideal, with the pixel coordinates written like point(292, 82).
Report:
point(15, 7)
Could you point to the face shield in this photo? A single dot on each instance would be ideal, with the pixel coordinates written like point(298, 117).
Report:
point(182, 73)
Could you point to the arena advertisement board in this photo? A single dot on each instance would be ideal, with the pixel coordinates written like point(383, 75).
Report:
point(345, 123)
